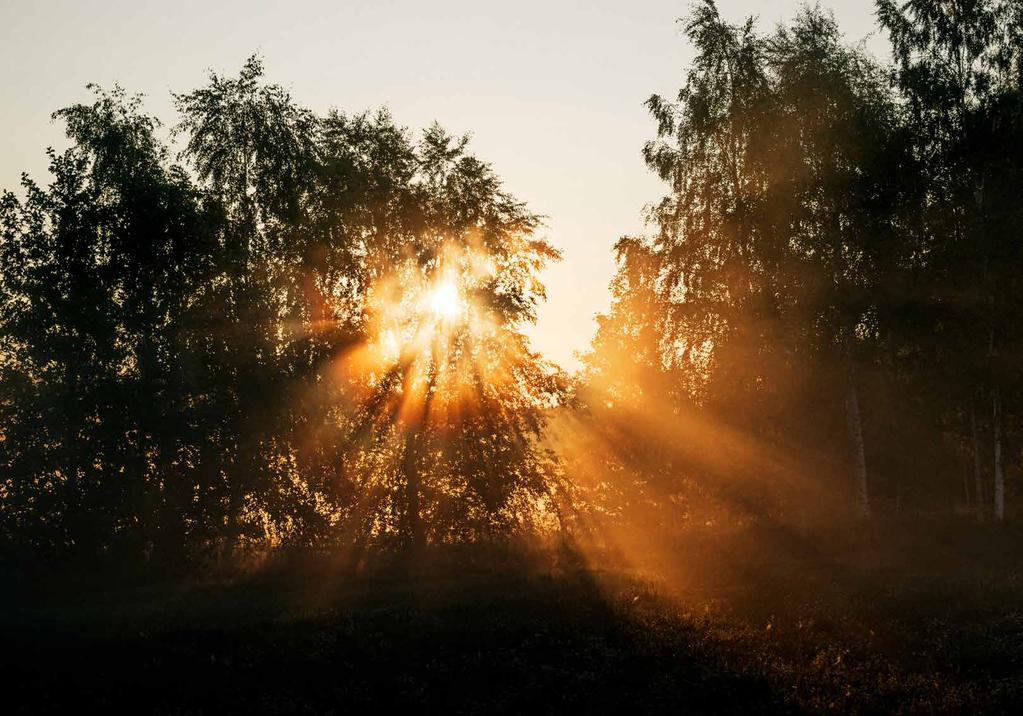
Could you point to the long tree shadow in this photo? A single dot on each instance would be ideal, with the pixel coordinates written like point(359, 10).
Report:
point(504, 642)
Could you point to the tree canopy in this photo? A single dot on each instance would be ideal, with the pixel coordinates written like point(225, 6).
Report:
point(829, 289)
point(236, 343)
point(269, 326)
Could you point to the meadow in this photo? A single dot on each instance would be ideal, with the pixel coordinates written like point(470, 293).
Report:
point(913, 630)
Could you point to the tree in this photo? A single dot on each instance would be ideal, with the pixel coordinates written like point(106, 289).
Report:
point(959, 66)
point(244, 349)
point(98, 270)
point(784, 156)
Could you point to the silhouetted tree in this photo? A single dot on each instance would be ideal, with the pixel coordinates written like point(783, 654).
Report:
point(99, 270)
point(787, 269)
point(242, 349)
point(959, 67)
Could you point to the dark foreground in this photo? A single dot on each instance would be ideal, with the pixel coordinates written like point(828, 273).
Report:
point(914, 635)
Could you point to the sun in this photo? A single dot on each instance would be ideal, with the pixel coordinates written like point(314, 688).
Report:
point(444, 301)
point(419, 316)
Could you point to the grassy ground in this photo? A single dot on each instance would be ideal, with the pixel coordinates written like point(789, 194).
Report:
point(941, 632)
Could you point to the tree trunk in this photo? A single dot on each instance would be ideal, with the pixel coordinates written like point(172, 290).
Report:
point(417, 408)
point(410, 468)
point(855, 426)
point(978, 477)
point(966, 489)
point(996, 432)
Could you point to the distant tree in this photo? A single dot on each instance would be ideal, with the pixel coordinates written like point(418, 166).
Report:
point(959, 67)
point(784, 159)
point(837, 245)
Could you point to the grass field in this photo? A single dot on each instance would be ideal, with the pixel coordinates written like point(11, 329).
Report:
point(935, 632)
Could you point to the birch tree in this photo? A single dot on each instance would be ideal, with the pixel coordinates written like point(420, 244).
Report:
point(780, 152)
point(959, 66)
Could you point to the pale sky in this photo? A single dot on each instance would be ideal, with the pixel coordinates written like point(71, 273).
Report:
point(552, 92)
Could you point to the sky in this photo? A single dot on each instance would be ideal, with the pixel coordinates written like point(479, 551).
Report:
point(551, 90)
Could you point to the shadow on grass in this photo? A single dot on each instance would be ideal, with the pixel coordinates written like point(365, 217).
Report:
point(488, 632)
point(483, 642)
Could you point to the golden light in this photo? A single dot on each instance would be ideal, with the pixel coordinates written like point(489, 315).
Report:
point(444, 301)
point(425, 322)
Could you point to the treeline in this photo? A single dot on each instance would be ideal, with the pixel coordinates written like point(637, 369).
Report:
point(303, 329)
point(826, 319)
point(230, 346)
